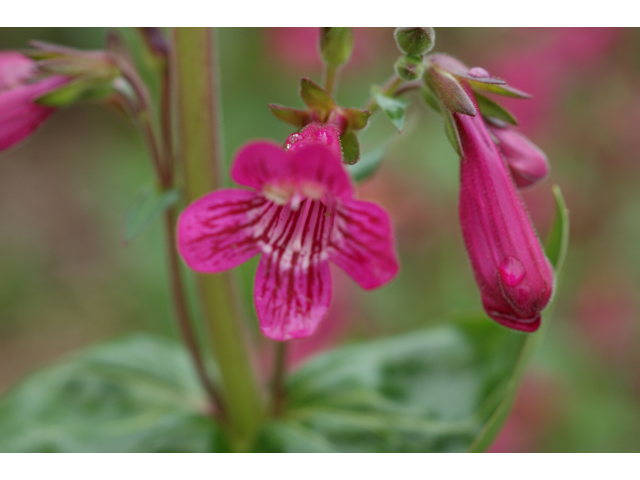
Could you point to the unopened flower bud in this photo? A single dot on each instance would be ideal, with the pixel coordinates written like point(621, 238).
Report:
point(336, 44)
point(527, 163)
point(415, 40)
point(513, 274)
point(409, 67)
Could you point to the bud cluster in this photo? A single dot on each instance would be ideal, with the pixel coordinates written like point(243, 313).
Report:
point(414, 42)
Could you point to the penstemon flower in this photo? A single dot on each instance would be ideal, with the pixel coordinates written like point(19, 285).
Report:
point(527, 163)
point(300, 214)
point(19, 114)
point(514, 275)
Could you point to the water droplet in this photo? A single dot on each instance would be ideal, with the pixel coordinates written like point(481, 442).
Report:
point(292, 139)
point(511, 271)
point(479, 72)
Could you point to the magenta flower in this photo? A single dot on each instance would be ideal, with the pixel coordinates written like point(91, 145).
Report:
point(300, 214)
point(514, 275)
point(527, 163)
point(19, 114)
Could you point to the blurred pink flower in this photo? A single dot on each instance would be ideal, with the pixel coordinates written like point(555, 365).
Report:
point(536, 409)
point(514, 275)
point(544, 67)
point(298, 46)
point(300, 215)
point(19, 114)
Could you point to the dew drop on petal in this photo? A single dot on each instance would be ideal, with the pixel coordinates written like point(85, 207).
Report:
point(478, 72)
point(292, 139)
point(511, 271)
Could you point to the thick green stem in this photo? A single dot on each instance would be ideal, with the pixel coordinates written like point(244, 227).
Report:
point(277, 382)
point(195, 87)
point(331, 74)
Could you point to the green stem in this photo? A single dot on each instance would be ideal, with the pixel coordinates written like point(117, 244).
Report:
point(194, 74)
point(331, 73)
point(277, 382)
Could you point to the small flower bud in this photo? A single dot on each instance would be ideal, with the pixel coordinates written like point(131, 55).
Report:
point(409, 67)
point(336, 44)
point(415, 40)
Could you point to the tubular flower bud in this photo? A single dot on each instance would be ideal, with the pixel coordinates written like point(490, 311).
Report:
point(514, 276)
point(527, 163)
point(20, 115)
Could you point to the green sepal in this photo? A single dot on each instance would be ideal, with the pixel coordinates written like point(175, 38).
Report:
point(504, 90)
point(430, 98)
point(336, 44)
point(368, 164)
point(316, 97)
point(357, 118)
point(415, 40)
point(81, 88)
point(409, 67)
point(292, 116)
point(449, 90)
point(148, 205)
point(489, 108)
point(452, 131)
point(393, 108)
point(350, 147)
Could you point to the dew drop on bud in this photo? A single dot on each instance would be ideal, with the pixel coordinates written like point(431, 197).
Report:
point(511, 271)
point(292, 139)
point(479, 72)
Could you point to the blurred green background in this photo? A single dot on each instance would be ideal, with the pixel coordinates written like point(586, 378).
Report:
point(69, 281)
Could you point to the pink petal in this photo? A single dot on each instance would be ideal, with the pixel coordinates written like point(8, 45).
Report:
point(216, 232)
point(263, 163)
point(19, 114)
point(362, 243)
point(291, 299)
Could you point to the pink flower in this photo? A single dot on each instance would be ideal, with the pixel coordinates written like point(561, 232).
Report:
point(19, 114)
point(300, 214)
point(513, 273)
point(527, 163)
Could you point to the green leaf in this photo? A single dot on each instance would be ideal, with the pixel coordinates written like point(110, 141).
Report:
point(149, 204)
point(367, 165)
point(504, 90)
point(556, 247)
point(315, 97)
point(394, 108)
point(489, 108)
point(293, 116)
point(137, 394)
point(558, 239)
point(426, 391)
point(449, 90)
point(350, 147)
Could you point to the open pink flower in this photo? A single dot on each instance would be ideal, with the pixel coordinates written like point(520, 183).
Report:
point(514, 275)
point(527, 163)
point(300, 214)
point(19, 114)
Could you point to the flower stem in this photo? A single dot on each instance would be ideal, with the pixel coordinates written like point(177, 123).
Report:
point(182, 312)
point(194, 73)
point(330, 83)
point(277, 382)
